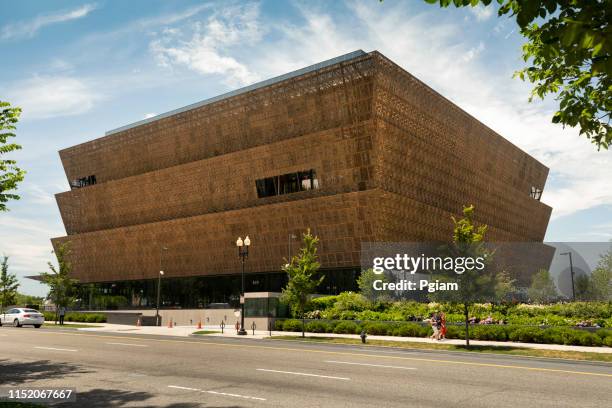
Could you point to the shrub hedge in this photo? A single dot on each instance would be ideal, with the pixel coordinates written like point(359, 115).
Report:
point(78, 317)
point(353, 306)
point(523, 334)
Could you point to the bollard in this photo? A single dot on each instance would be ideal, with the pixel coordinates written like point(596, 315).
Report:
point(253, 326)
point(222, 326)
point(363, 336)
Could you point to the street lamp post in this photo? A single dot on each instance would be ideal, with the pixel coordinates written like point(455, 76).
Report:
point(243, 253)
point(571, 274)
point(161, 273)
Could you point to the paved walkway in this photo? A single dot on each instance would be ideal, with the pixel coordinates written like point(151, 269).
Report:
point(260, 334)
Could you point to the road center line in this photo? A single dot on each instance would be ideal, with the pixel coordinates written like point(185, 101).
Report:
point(53, 348)
point(370, 365)
point(304, 374)
point(129, 344)
point(226, 394)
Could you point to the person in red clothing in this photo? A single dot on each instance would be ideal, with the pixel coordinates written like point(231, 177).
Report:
point(443, 325)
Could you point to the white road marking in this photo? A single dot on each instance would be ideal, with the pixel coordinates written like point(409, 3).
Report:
point(178, 387)
point(304, 374)
point(53, 348)
point(227, 394)
point(235, 395)
point(370, 365)
point(129, 344)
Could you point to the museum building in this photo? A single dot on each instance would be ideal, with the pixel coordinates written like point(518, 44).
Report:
point(353, 148)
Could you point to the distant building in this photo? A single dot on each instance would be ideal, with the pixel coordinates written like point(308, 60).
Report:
point(354, 148)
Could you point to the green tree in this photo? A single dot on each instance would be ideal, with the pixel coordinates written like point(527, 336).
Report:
point(568, 55)
point(601, 278)
point(474, 285)
point(23, 299)
point(302, 271)
point(10, 174)
point(62, 288)
point(583, 287)
point(542, 289)
point(8, 285)
point(365, 282)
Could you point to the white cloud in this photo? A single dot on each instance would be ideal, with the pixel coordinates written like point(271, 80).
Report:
point(43, 97)
point(28, 29)
point(206, 52)
point(473, 52)
point(481, 12)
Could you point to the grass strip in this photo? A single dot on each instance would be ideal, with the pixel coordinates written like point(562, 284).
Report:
point(509, 350)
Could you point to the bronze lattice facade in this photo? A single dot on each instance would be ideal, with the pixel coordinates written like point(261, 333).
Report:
point(389, 160)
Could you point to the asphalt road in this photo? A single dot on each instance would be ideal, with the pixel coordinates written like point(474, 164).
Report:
point(110, 370)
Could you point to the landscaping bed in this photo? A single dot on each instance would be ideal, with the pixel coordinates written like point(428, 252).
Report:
point(78, 317)
point(516, 333)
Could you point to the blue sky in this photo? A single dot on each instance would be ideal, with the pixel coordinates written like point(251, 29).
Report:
point(80, 68)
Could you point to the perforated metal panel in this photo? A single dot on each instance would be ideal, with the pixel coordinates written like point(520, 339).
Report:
point(394, 160)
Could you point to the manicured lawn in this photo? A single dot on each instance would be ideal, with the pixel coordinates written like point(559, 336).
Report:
point(519, 351)
point(206, 332)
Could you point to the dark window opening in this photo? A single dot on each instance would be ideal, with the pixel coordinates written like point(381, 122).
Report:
point(287, 183)
point(83, 182)
point(535, 193)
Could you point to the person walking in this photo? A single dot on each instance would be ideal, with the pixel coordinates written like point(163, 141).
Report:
point(443, 326)
point(435, 325)
point(62, 313)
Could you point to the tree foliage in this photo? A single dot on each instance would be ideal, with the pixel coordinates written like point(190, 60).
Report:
point(8, 285)
point(10, 174)
point(583, 287)
point(601, 278)
point(62, 288)
point(475, 285)
point(542, 289)
point(303, 279)
point(568, 55)
point(365, 282)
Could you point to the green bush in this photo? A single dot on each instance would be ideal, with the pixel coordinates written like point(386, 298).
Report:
point(78, 317)
point(278, 325)
point(455, 332)
point(293, 325)
point(412, 330)
point(527, 335)
point(488, 332)
point(346, 328)
point(318, 327)
point(379, 329)
point(322, 303)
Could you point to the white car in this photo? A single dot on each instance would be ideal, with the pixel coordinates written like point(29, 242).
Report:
point(19, 316)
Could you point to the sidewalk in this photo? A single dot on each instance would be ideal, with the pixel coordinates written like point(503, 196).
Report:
point(184, 331)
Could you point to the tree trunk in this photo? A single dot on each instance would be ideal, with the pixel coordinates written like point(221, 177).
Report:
point(303, 326)
point(467, 325)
